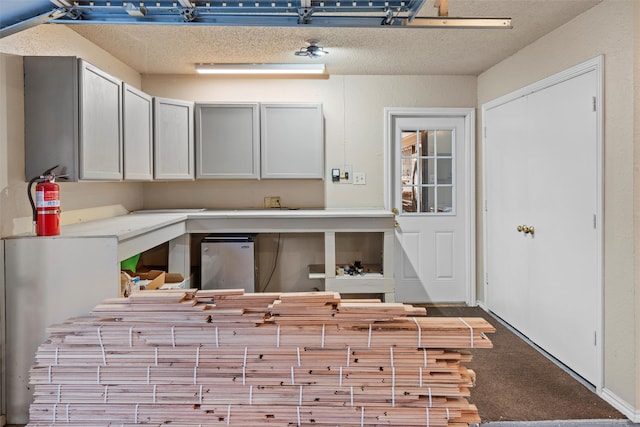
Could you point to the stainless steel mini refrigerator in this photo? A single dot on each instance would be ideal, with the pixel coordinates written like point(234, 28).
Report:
point(229, 262)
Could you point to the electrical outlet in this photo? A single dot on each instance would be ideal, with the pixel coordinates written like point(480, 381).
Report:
point(272, 202)
point(359, 178)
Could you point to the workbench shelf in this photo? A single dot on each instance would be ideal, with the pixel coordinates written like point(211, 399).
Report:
point(316, 271)
point(369, 245)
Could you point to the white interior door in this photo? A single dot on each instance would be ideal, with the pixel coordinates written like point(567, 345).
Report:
point(541, 171)
point(507, 182)
point(430, 195)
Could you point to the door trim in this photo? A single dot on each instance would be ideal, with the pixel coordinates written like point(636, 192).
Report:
point(596, 64)
point(469, 116)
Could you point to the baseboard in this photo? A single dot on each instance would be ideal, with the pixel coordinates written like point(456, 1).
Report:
point(482, 305)
point(621, 405)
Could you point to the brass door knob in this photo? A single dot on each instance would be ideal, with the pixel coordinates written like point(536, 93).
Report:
point(395, 211)
point(527, 229)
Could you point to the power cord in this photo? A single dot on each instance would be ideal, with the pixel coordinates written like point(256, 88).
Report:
point(275, 264)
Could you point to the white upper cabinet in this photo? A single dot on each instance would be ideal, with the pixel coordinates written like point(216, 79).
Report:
point(73, 114)
point(227, 141)
point(137, 121)
point(173, 139)
point(100, 124)
point(292, 141)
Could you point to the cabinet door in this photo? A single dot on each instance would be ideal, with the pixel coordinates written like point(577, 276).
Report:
point(292, 141)
point(137, 120)
point(100, 124)
point(51, 139)
point(173, 139)
point(227, 141)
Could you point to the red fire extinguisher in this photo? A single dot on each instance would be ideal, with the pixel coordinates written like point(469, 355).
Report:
point(46, 209)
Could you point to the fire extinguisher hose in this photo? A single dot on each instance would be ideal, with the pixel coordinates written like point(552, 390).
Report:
point(32, 181)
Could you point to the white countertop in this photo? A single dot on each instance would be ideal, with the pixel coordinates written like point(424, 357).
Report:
point(291, 213)
point(268, 213)
point(137, 223)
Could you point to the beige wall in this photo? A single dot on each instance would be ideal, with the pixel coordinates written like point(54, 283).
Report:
point(353, 109)
point(606, 30)
point(354, 133)
point(80, 201)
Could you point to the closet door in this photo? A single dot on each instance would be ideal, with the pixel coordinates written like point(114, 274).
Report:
point(541, 168)
point(562, 279)
point(508, 206)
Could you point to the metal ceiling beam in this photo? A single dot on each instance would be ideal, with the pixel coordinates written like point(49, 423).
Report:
point(31, 22)
point(319, 21)
point(273, 13)
point(446, 22)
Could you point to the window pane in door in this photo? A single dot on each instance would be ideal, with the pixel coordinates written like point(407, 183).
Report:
point(409, 199)
point(431, 143)
point(408, 166)
point(445, 199)
point(444, 171)
point(428, 171)
point(409, 144)
point(444, 142)
point(428, 199)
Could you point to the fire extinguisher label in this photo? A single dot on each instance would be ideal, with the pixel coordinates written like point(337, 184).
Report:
point(49, 199)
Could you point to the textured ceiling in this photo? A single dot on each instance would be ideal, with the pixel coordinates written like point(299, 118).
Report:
point(174, 49)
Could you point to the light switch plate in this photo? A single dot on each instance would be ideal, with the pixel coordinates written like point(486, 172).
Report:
point(346, 175)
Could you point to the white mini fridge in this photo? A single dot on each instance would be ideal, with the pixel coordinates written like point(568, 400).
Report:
point(229, 261)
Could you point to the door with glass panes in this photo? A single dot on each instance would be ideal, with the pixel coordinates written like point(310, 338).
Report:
point(429, 185)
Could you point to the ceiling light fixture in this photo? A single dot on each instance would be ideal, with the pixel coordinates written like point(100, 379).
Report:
point(312, 51)
point(260, 69)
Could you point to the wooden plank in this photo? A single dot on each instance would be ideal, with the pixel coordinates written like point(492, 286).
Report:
point(222, 357)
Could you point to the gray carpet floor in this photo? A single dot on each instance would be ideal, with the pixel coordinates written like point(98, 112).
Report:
point(516, 382)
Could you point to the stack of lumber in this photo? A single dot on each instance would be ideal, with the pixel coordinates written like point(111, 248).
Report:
point(216, 358)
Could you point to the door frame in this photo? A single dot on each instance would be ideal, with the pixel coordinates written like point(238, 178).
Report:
point(469, 116)
point(596, 64)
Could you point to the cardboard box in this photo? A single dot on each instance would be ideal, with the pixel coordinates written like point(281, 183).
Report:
point(151, 280)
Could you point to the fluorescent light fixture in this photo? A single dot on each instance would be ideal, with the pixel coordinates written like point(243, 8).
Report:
point(260, 68)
